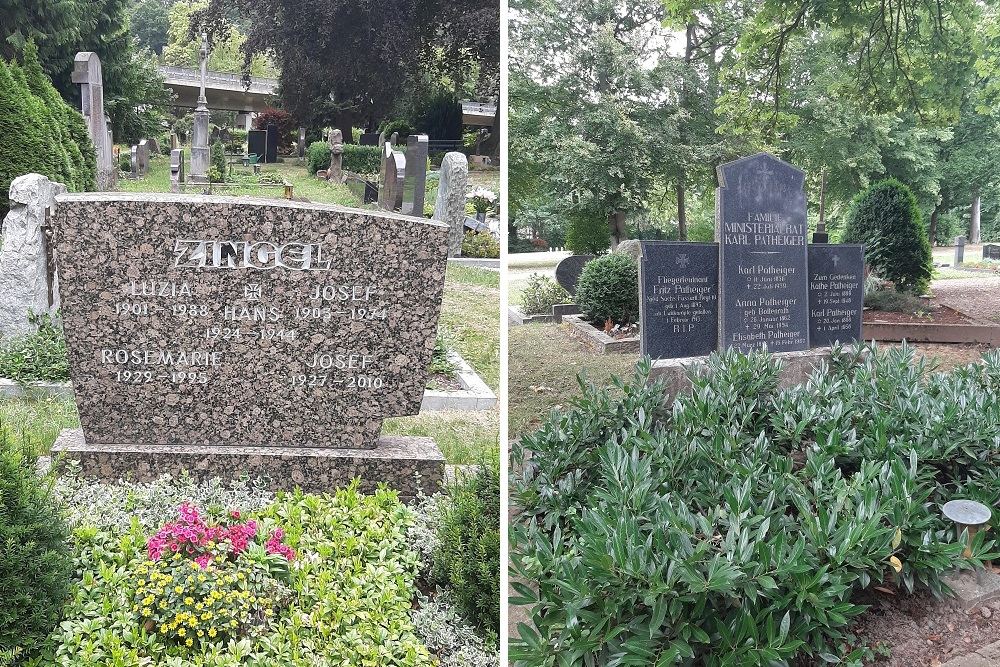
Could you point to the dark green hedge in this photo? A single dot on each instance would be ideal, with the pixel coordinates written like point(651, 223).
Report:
point(359, 159)
point(39, 133)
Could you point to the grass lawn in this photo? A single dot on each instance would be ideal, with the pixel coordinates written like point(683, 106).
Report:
point(470, 324)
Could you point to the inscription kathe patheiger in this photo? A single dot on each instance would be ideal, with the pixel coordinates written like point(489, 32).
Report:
point(836, 293)
point(223, 321)
point(761, 217)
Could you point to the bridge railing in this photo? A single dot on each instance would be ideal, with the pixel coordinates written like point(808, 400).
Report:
point(479, 108)
point(258, 84)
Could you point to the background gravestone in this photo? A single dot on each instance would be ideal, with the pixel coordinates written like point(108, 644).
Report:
point(87, 72)
point(568, 271)
point(678, 299)
point(177, 170)
point(761, 228)
point(449, 208)
point(271, 146)
point(836, 293)
point(257, 143)
point(390, 193)
point(142, 154)
point(415, 178)
point(991, 251)
point(218, 321)
point(959, 250)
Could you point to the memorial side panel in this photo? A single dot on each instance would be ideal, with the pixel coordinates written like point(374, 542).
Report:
point(836, 293)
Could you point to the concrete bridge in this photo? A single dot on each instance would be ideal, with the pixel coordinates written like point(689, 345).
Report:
point(225, 92)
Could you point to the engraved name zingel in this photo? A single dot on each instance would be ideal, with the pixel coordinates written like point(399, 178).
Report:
point(215, 254)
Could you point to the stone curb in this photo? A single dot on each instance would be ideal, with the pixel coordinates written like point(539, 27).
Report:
point(597, 340)
point(474, 394)
point(12, 389)
point(988, 656)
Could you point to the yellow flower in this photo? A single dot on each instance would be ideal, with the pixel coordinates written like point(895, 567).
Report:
point(178, 589)
point(177, 557)
point(212, 632)
point(233, 623)
point(199, 606)
point(164, 627)
point(194, 565)
point(207, 616)
point(202, 578)
point(189, 600)
point(181, 631)
point(192, 621)
point(146, 611)
point(142, 582)
point(148, 600)
point(163, 604)
point(189, 642)
point(201, 634)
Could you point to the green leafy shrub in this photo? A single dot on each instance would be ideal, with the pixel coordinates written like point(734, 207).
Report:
point(35, 559)
point(403, 127)
point(608, 289)
point(541, 293)
point(886, 218)
point(318, 156)
point(365, 160)
point(949, 225)
point(467, 557)
point(735, 526)
point(125, 161)
point(480, 244)
point(438, 115)
point(40, 356)
point(440, 363)
point(587, 235)
point(218, 166)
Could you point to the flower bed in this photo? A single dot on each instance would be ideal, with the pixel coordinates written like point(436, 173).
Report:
point(743, 524)
point(177, 573)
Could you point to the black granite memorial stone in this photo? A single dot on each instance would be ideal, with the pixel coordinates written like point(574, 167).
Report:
point(836, 293)
point(679, 299)
point(761, 227)
point(568, 271)
point(271, 147)
point(257, 143)
point(991, 251)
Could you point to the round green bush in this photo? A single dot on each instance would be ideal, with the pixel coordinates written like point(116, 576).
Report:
point(361, 159)
point(608, 289)
point(467, 557)
point(480, 244)
point(317, 156)
point(885, 217)
point(587, 235)
point(35, 560)
point(541, 294)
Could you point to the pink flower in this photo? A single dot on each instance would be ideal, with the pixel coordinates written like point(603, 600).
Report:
point(203, 560)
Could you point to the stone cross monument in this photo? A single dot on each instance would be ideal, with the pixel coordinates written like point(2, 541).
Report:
point(200, 155)
point(87, 73)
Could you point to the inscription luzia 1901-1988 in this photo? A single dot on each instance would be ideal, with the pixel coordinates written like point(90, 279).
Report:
point(316, 322)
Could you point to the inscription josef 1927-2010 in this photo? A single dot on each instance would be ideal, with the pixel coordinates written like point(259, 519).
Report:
point(214, 320)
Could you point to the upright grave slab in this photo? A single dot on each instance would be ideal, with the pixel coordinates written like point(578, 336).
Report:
point(836, 293)
point(415, 177)
point(679, 299)
point(568, 271)
point(761, 218)
point(991, 251)
point(229, 335)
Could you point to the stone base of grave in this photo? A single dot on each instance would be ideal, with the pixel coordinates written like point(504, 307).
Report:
point(405, 463)
point(973, 587)
point(795, 369)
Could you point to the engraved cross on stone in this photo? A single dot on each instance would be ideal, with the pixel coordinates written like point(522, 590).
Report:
point(682, 260)
point(835, 259)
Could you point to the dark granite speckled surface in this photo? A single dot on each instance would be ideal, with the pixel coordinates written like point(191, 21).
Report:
point(130, 391)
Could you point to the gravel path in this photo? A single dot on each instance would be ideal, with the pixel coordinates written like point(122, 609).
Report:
point(977, 297)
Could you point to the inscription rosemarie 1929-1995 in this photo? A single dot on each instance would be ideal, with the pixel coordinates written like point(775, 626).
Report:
point(213, 320)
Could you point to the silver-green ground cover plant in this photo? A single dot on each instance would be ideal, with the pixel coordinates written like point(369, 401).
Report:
point(735, 525)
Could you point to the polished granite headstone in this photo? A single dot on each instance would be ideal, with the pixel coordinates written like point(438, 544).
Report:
point(991, 251)
point(836, 293)
point(679, 299)
point(761, 228)
point(224, 322)
point(568, 271)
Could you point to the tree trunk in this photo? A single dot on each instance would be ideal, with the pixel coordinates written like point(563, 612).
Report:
point(616, 224)
point(932, 231)
point(345, 123)
point(491, 145)
point(974, 235)
point(682, 230)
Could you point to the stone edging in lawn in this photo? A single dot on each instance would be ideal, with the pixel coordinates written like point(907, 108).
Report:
point(559, 311)
point(477, 262)
point(597, 340)
point(932, 333)
point(474, 394)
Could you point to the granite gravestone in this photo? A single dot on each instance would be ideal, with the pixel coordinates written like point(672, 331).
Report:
point(87, 72)
point(449, 207)
point(836, 293)
point(223, 322)
point(679, 299)
point(390, 193)
point(415, 178)
point(177, 170)
point(991, 251)
point(271, 144)
point(761, 218)
point(959, 250)
point(257, 143)
point(568, 271)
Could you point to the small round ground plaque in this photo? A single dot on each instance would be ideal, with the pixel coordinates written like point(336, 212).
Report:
point(967, 512)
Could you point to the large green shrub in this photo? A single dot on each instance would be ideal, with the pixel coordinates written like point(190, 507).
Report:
point(608, 289)
point(480, 244)
point(218, 157)
point(886, 218)
point(467, 557)
point(541, 293)
point(40, 356)
point(439, 116)
point(38, 132)
point(362, 159)
point(35, 560)
point(735, 526)
point(317, 156)
point(586, 235)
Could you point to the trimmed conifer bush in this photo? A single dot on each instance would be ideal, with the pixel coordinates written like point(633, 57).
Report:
point(886, 218)
point(218, 157)
point(35, 559)
point(608, 289)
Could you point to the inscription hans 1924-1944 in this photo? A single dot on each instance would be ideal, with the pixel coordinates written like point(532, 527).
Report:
point(226, 322)
point(775, 290)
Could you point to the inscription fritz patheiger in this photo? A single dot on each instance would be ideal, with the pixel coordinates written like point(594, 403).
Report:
point(679, 299)
point(321, 323)
point(836, 293)
point(761, 211)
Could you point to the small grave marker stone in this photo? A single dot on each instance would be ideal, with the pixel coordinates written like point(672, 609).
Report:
point(415, 178)
point(959, 250)
point(679, 299)
point(836, 293)
point(177, 170)
point(568, 271)
point(991, 251)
